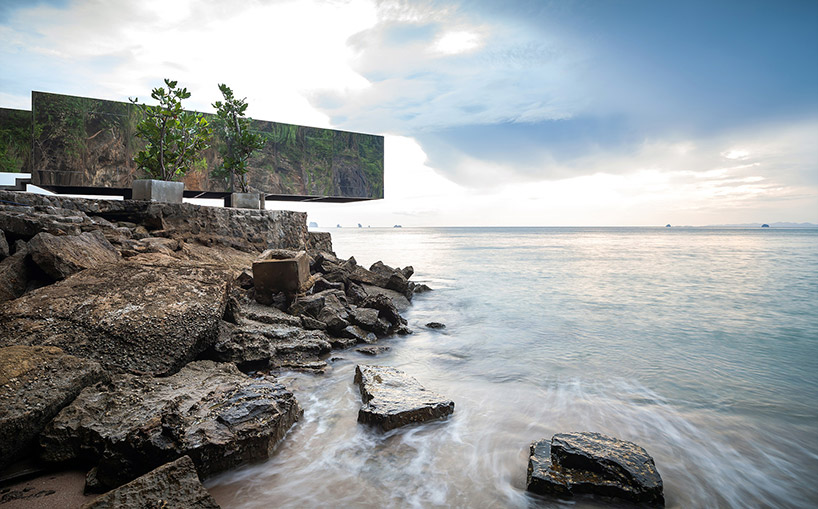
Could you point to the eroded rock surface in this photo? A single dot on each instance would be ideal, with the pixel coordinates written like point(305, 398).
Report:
point(209, 411)
point(585, 462)
point(61, 256)
point(36, 382)
point(174, 484)
point(263, 346)
point(129, 316)
point(15, 273)
point(393, 399)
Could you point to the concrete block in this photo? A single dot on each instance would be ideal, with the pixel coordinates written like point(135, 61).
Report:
point(158, 190)
point(243, 201)
point(283, 274)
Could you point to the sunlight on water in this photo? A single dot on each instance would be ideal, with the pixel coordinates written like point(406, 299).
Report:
point(701, 346)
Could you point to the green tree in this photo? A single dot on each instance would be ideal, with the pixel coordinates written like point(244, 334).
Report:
point(239, 142)
point(174, 136)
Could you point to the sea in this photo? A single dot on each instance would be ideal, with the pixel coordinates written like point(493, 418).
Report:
point(700, 345)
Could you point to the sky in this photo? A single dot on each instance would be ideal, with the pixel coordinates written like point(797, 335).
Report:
point(512, 113)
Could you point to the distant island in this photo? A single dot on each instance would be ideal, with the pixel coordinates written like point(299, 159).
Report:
point(313, 224)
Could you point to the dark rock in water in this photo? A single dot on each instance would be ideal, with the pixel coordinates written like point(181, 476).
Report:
point(373, 350)
point(407, 271)
point(366, 318)
point(436, 325)
point(36, 382)
point(15, 273)
point(209, 411)
point(61, 256)
point(421, 288)
point(584, 462)
point(393, 399)
point(343, 341)
point(151, 317)
point(174, 484)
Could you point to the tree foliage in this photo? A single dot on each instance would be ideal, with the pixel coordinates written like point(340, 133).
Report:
point(239, 141)
point(174, 136)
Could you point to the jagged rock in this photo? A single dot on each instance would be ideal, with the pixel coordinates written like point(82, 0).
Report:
point(322, 284)
point(407, 271)
point(392, 279)
point(345, 341)
point(325, 262)
point(386, 309)
point(4, 246)
point(250, 310)
point(137, 317)
point(36, 382)
point(584, 462)
point(311, 323)
point(366, 318)
point(15, 274)
point(61, 256)
point(209, 411)
point(174, 484)
point(400, 301)
point(27, 221)
point(393, 399)
point(373, 350)
point(436, 325)
point(365, 277)
point(319, 241)
point(245, 279)
point(266, 346)
point(359, 335)
point(355, 293)
point(329, 306)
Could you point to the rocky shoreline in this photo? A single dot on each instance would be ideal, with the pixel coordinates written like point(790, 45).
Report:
point(134, 343)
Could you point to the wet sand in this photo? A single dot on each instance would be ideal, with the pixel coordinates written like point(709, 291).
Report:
point(51, 490)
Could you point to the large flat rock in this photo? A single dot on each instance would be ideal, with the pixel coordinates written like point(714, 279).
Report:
point(175, 484)
point(393, 399)
point(209, 411)
point(585, 462)
point(36, 382)
point(138, 317)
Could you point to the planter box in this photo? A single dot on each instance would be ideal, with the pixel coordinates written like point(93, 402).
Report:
point(244, 201)
point(280, 272)
point(158, 190)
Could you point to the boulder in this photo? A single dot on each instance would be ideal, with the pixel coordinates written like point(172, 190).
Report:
point(420, 288)
point(174, 484)
point(311, 323)
point(393, 399)
point(15, 274)
point(36, 382)
point(436, 325)
point(322, 284)
point(4, 246)
point(61, 256)
point(585, 462)
point(329, 307)
point(209, 411)
point(392, 279)
point(135, 317)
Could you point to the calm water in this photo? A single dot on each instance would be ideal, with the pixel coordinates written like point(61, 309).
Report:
point(700, 345)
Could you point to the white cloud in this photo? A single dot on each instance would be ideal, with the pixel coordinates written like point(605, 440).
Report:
point(457, 42)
